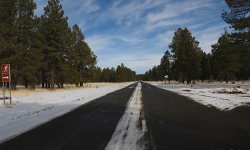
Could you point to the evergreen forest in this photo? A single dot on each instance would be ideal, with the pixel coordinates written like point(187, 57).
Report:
point(229, 59)
point(44, 50)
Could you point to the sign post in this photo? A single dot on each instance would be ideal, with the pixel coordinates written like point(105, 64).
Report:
point(166, 77)
point(6, 77)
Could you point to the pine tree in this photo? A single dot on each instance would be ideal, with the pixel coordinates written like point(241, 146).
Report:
point(166, 64)
point(29, 42)
point(148, 75)
point(88, 60)
point(79, 51)
point(8, 11)
point(54, 29)
point(225, 59)
point(119, 77)
point(239, 18)
point(106, 75)
point(22, 43)
point(113, 74)
point(205, 66)
point(67, 71)
point(97, 74)
point(186, 55)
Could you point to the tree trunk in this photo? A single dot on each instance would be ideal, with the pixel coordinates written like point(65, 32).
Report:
point(13, 87)
point(81, 80)
point(43, 79)
point(26, 83)
point(62, 84)
point(52, 79)
point(46, 82)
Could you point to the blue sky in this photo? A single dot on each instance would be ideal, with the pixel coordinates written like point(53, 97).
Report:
point(138, 32)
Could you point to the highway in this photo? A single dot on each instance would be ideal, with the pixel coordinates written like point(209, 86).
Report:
point(172, 122)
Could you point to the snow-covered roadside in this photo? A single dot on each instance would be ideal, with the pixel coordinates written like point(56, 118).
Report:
point(129, 134)
point(216, 95)
point(38, 108)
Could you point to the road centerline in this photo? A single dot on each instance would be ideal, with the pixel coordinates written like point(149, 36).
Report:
point(128, 134)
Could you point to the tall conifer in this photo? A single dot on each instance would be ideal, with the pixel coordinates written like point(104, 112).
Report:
point(225, 60)
point(238, 18)
point(186, 55)
point(54, 29)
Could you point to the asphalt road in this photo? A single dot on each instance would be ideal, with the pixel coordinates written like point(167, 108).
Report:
point(176, 122)
point(88, 127)
point(173, 122)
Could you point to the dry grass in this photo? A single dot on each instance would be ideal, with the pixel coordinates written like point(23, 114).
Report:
point(206, 83)
point(7, 105)
point(101, 84)
point(196, 82)
point(247, 87)
point(21, 91)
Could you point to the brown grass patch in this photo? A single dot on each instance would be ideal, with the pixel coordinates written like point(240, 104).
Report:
point(201, 83)
point(7, 105)
point(21, 91)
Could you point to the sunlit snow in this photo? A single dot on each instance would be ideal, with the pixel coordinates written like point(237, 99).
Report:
point(129, 133)
point(213, 95)
point(37, 108)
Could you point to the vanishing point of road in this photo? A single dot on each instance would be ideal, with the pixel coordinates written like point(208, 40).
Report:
point(173, 122)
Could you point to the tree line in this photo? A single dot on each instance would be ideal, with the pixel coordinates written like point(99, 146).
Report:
point(120, 74)
point(45, 50)
point(229, 58)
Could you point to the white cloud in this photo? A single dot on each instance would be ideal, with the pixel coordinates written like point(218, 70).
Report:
point(141, 29)
point(99, 42)
point(165, 38)
point(209, 36)
point(76, 6)
point(166, 23)
point(137, 62)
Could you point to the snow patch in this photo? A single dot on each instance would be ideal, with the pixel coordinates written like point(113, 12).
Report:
point(38, 108)
point(128, 133)
point(224, 97)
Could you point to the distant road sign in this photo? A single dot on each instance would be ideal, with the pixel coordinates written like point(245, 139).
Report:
point(5, 77)
point(5, 68)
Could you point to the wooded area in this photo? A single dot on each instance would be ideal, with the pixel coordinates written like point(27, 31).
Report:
point(229, 59)
point(44, 50)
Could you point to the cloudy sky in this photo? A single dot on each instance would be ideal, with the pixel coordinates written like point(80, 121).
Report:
point(138, 32)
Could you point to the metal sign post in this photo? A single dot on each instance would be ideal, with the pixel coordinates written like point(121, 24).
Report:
point(166, 77)
point(10, 92)
point(3, 95)
point(6, 77)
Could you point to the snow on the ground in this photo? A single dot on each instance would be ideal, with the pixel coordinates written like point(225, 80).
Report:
point(37, 108)
point(128, 133)
point(216, 95)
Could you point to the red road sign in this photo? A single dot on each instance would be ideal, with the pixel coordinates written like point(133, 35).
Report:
point(5, 68)
point(5, 77)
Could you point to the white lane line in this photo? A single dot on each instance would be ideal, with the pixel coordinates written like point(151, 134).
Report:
point(128, 133)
